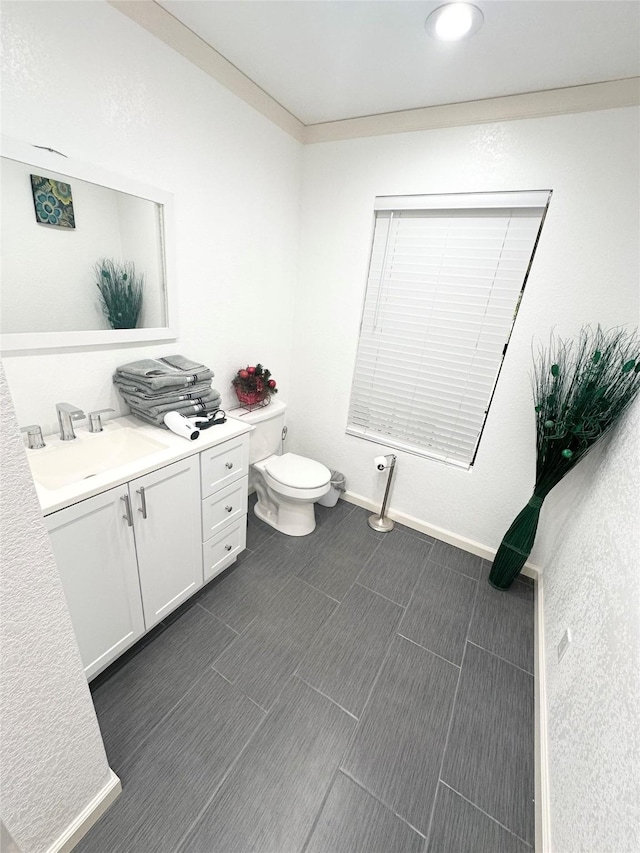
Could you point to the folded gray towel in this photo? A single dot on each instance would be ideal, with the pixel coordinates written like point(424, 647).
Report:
point(182, 363)
point(144, 393)
point(183, 406)
point(158, 420)
point(155, 374)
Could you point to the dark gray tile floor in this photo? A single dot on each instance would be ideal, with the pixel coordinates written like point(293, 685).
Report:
point(343, 692)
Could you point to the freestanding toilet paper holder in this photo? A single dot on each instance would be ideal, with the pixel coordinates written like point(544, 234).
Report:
point(379, 522)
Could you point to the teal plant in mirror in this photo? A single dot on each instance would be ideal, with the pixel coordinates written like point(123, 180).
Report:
point(121, 292)
point(581, 388)
point(53, 202)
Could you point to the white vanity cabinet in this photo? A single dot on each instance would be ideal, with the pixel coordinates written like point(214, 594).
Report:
point(130, 555)
point(224, 479)
point(165, 511)
point(96, 555)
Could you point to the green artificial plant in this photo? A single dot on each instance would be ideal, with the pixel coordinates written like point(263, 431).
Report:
point(581, 388)
point(121, 292)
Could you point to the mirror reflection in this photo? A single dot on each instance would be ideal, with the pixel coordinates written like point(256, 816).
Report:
point(57, 231)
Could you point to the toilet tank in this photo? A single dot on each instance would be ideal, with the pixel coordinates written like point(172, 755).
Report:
point(268, 421)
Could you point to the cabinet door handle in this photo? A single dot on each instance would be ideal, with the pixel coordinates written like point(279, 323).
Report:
point(228, 465)
point(229, 508)
point(143, 502)
point(127, 505)
point(228, 547)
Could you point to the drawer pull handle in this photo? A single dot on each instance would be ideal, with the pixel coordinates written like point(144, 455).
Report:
point(127, 505)
point(143, 501)
point(228, 547)
point(229, 508)
point(228, 465)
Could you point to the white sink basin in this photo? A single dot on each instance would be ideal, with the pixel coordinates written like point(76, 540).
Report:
point(61, 465)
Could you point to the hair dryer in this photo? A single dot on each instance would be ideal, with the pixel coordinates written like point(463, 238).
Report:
point(181, 426)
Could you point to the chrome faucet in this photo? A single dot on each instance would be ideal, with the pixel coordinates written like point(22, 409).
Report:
point(34, 435)
point(67, 414)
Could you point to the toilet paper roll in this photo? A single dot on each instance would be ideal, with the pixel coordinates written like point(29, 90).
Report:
point(380, 462)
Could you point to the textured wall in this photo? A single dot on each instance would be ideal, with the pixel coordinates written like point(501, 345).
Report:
point(84, 79)
point(586, 270)
point(592, 585)
point(52, 760)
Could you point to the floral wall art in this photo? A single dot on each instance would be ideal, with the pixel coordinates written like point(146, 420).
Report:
point(53, 202)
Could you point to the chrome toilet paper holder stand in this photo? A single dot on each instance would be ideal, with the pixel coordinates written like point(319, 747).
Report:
point(379, 522)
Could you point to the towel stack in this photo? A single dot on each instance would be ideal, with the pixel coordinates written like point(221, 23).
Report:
point(152, 387)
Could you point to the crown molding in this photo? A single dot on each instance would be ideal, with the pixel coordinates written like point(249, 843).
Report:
point(572, 99)
point(162, 24)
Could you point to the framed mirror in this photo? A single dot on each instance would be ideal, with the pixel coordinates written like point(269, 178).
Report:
point(77, 242)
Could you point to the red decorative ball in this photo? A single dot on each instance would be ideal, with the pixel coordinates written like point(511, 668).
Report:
point(251, 370)
point(271, 383)
point(243, 374)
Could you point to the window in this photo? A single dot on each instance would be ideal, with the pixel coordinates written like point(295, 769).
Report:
point(445, 280)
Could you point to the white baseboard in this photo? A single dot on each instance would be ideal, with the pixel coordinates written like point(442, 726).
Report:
point(89, 815)
point(530, 570)
point(543, 802)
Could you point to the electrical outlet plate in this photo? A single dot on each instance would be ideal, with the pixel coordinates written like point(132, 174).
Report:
point(563, 645)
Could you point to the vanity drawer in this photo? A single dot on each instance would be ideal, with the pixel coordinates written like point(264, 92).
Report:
point(223, 548)
point(224, 464)
point(223, 507)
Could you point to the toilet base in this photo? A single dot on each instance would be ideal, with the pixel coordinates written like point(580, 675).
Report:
point(292, 519)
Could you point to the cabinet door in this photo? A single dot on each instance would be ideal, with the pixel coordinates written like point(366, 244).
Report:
point(95, 552)
point(168, 534)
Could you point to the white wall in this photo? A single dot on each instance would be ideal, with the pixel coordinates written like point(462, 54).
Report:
point(52, 760)
point(585, 270)
point(117, 97)
point(592, 586)
point(84, 79)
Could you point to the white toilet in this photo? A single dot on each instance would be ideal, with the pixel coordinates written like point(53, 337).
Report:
point(287, 486)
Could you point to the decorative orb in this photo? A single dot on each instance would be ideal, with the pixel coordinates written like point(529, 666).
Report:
point(555, 370)
point(549, 424)
point(567, 453)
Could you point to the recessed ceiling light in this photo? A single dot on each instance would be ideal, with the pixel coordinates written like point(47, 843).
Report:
point(454, 21)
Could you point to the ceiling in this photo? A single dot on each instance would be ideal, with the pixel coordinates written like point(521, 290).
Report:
point(328, 60)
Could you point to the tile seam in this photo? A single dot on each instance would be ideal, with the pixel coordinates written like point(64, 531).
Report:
point(451, 716)
point(426, 649)
point(375, 592)
point(486, 814)
point(183, 838)
point(504, 660)
point(382, 803)
point(219, 618)
point(236, 687)
point(452, 569)
point(324, 695)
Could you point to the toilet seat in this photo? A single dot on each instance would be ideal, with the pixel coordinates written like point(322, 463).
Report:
point(297, 472)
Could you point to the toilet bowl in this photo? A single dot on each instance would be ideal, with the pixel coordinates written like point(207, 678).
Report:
point(287, 485)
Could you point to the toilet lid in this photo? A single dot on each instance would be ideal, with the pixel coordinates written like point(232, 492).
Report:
point(298, 471)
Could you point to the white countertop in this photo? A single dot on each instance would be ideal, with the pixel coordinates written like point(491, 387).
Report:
point(176, 448)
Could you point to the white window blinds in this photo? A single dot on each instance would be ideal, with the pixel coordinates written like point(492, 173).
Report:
point(445, 279)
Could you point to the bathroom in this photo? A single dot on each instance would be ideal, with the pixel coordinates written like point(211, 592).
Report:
point(272, 239)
